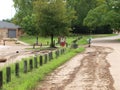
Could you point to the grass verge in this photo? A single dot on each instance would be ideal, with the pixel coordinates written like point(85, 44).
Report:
point(29, 80)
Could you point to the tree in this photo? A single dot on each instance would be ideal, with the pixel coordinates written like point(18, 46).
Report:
point(81, 7)
point(112, 18)
point(52, 18)
point(29, 25)
point(104, 14)
point(95, 16)
point(25, 17)
point(23, 8)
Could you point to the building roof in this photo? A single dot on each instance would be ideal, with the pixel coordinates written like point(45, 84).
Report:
point(8, 25)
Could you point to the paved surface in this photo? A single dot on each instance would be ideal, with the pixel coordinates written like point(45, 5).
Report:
point(113, 58)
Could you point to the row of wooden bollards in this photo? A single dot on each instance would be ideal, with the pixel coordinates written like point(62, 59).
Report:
point(29, 66)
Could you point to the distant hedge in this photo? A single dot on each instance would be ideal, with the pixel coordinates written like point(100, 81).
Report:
point(106, 29)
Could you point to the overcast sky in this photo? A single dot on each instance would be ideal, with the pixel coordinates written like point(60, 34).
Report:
point(7, 10)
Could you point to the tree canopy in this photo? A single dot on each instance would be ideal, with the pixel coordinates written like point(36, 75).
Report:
point(53, 17)
point(58, 17)
point(106, 13)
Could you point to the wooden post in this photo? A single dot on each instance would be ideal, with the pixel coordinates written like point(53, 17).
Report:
point(61, 50)
point(33, 46)
point(89, 42)
point(41, 60)
point(56, 54)
point(8, 74)
point(31, 64)
point(4, 42)
point(45, 58)
point(17, 69)
point(50, 56)
point(25, 66)
point(35, 62)
point(1, 79)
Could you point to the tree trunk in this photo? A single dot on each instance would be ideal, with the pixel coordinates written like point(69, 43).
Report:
point(36, 40)
point(52, 42)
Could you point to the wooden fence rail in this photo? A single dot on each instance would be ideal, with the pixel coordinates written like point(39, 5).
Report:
point(33, 63)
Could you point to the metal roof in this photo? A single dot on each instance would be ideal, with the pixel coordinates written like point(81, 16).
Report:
point(8, 25)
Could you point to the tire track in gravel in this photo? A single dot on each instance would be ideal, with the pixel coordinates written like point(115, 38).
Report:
point(87, 71)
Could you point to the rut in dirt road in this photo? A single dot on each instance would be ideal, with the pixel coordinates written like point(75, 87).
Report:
point(89, 72)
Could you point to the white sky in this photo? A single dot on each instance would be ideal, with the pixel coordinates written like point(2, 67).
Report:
point(7, 10)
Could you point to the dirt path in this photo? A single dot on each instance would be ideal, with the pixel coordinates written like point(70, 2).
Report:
point(86, 71)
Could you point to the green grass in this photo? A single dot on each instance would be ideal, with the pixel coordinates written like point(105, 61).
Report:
point(32, 39)
point(29, 80)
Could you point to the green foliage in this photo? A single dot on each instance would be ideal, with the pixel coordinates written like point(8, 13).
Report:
point(25, 17)
point(58, 17)
point(23, 8)
point(81, 8)
point(28, 25)
point(112, 18)
point(52, 17)
point(104, 14)
point(95, 16)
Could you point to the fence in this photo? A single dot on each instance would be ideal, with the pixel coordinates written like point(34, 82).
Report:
point(29, 65)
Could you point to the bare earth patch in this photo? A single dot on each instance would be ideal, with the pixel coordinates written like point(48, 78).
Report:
point(86, 71)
